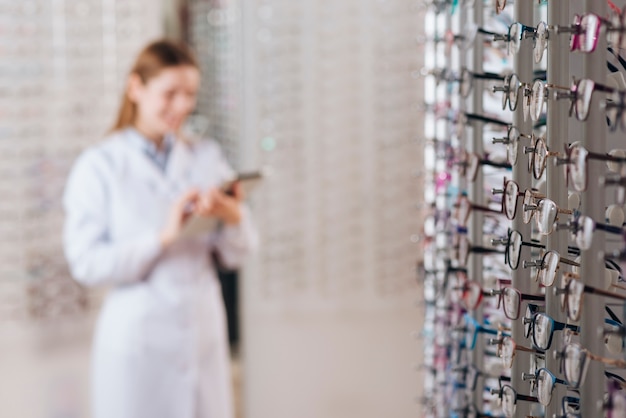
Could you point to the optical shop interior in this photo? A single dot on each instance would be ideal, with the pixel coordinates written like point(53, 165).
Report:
point(524, 243)
point(212, 208)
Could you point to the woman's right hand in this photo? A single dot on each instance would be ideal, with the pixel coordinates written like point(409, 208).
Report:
point(179, 213)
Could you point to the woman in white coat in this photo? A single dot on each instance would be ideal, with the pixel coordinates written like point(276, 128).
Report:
point(160, 345)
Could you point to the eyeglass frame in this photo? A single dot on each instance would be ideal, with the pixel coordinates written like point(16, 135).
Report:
point(513, 144)
point(504, 191)
point(521, 297)
point(536, 209)
point(517, 397)
point(501, 339)
point(553, 326)
point(563, 292)
point(583, 155)
point(507, 242)
point(562, 355)
point(539, 143)
point(471, 207)
point(534, 378)
point(540, 265)
point(573, 94)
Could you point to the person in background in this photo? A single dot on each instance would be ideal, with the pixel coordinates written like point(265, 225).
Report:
point(160, 345)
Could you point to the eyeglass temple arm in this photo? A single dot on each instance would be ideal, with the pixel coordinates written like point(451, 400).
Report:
point(560, 381)
point(568, 262)
point(488, 76)
point(558, 326)
point(486, 119)
point(596, 291)
point(484, 330)
point(533, 244)
point(612, 314)
point(485, 250)
point(608, 361)
point(617, 55)
point(573, 250)
point(605, 157)
point(487, 32)
point(495, 164)
point(526, 296)
point(604, 88)
point(485, 208)
point(612, 229)
point(527, 350)
point(527, 398)
point(616, 378)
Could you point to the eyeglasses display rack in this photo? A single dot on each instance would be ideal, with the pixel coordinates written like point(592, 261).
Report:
point(524, 233)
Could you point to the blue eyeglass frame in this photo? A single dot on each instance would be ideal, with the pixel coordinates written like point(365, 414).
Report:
point(552, 377)
point(553, 327)
point(568, 401)
point(472, 326)
point(528, 321)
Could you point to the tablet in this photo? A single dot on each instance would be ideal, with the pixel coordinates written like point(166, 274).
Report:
point(200, 225)
point(249, 181)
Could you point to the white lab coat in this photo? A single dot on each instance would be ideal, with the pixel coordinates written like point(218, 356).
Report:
point(160, 344)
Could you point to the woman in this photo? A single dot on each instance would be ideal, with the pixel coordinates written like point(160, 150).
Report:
point(160, 346)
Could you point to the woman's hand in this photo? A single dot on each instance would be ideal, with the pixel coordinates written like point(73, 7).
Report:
point(225, 206)
point(212, 203)
point(179, 213)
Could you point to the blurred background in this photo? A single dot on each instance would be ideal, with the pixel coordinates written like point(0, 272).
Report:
point(322, 320)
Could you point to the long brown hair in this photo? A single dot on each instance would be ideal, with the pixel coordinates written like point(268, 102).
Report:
point(155, 57)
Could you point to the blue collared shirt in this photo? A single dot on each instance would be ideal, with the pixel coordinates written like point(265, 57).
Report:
point(158, 156)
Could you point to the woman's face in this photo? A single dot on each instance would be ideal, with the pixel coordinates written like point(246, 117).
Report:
point(165, 101)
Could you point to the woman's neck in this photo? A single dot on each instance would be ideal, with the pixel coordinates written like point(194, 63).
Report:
point(156, 138)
